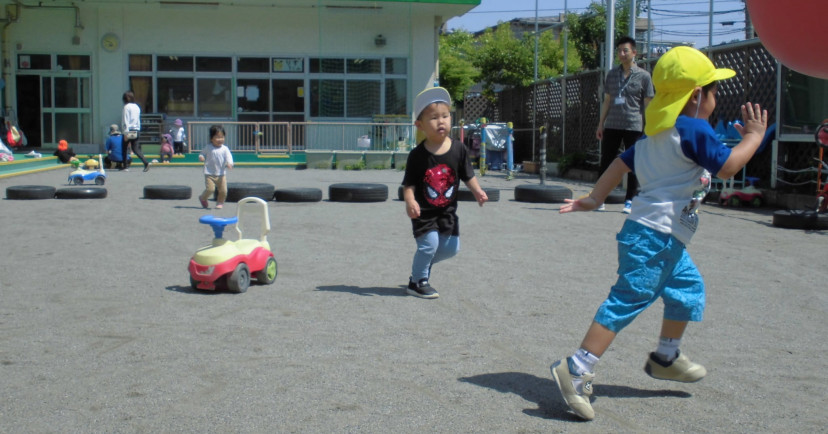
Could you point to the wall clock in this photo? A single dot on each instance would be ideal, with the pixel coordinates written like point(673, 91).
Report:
point(110, 42)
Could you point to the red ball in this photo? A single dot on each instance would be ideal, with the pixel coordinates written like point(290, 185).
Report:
point(794, 32)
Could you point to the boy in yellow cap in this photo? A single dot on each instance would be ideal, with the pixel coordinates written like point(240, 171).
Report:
point(673, 163)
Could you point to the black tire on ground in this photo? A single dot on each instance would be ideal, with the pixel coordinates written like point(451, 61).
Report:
point(545, 193)
point(80, 193)
point(357, 192)
point(297, 195)
point(167, 192)
point(30, 192)
point(800, 219)
point(237, 191)
point(400, 193)
point(616, 196)
point(465, 195)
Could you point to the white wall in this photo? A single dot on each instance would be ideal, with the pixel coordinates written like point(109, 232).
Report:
point(409, 29)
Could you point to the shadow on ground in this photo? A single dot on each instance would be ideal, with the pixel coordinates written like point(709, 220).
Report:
point(371, 291)
point(544, 392)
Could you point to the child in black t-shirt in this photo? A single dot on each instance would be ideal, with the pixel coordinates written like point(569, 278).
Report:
point(432, 177)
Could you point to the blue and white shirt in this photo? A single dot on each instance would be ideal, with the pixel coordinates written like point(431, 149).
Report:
point(673, 169)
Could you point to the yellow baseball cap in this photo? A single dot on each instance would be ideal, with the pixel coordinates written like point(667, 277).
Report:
point(677, 73)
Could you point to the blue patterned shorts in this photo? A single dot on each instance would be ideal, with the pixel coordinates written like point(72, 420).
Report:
point(652, 264)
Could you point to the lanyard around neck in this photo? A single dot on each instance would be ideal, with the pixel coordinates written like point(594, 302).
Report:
point(621, 82)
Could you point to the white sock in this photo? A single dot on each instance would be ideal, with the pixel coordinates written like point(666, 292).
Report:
point(668, 348)
point(584, 361)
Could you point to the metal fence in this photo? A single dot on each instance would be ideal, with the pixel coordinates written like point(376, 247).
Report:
point(288, 137)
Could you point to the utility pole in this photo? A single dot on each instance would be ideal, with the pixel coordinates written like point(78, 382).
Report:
point(632, 19)
point(610, 44)
point(710, 32)
point(535, 83)
point(748, 24)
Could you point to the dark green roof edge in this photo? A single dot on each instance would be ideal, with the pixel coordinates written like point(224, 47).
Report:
point(447, 2)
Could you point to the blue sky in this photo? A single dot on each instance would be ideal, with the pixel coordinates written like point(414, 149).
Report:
point(673, 20)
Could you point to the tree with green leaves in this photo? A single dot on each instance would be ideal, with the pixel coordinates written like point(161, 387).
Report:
point(457, 71)
point(503, 59)
point(588, 30)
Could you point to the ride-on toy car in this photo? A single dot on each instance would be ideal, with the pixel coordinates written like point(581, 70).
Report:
point(747, 195)
point(226, 264)
point(86, 173)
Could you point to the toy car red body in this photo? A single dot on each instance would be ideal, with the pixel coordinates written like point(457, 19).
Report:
point(226, 264)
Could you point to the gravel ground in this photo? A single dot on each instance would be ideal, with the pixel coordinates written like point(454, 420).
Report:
point(101, 332)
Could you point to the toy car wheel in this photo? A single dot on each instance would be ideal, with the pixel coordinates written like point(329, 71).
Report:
point(546, 193)
point(100, 180)
point(77, 180)
point(735, 201)
point(239, 279)
point(757, 202)
point(30, 192)
point(193, 283)
point(268, 274)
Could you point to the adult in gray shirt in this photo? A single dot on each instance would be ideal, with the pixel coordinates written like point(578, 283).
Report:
point(627, 91)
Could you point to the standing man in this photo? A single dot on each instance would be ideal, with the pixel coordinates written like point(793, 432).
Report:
point(627, 91)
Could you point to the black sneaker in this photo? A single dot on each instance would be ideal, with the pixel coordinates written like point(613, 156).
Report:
point(422, 289)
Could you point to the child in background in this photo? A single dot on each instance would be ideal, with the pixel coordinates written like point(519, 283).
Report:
point(673, 165)
point(178, 137)
point(114, 148)
point(432, 178)
point(64, 153)
point(217, 160)
point(166, 148)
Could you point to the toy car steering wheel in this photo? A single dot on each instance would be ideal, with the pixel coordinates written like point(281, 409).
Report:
point(218, 223)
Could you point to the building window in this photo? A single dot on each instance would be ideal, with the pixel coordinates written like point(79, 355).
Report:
point(364, 66)
point(175, 63)
point(327, 98)
point(214, 64)
point(175, 96)
point(253, 64)
point(73, 63)
point(140, 62)
point(396, 66)
point(214, 96)
point(34, 61)
point(275, 87)
point(363, 98)
point(328, 66)
point(142, 88)
point(395, 96)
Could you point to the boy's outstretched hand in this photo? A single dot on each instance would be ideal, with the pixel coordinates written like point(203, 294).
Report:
point(755, 120)
point(583, 204)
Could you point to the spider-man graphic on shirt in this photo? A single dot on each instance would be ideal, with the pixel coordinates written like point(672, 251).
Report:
point(439, 185)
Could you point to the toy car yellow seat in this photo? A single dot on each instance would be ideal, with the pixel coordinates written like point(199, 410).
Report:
point(91, 164)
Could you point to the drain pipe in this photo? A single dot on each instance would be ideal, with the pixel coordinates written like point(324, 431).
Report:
point(11, 17)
